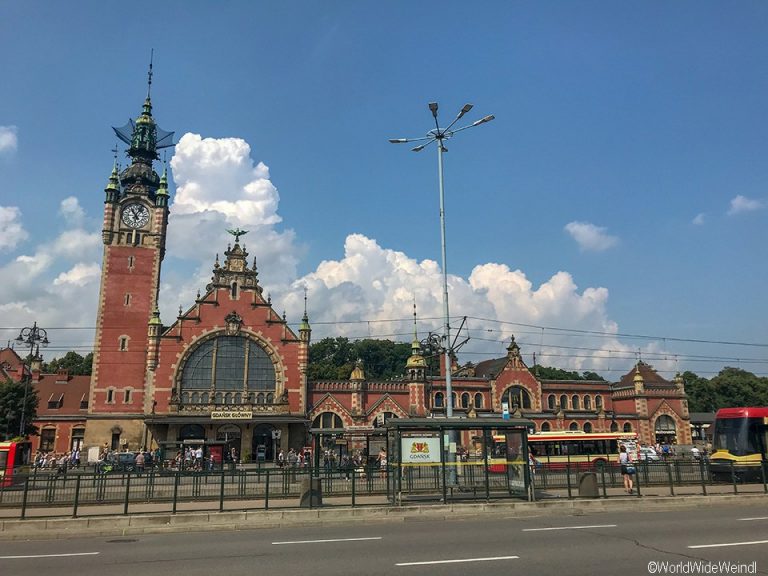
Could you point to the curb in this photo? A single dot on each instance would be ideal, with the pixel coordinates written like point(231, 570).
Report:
point(163, 523)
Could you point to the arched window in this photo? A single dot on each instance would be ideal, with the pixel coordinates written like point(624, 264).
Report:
point(204, 398)
point(439, 399)
point(327, 420)
point(627, 427)
point(260, 398)
point(228, 364)
point(270, 398)
point(478, 400)
point(575, 402)
point(598, 402)
point(238, 398)
point(382, 418)
point(614, 427)
point(564, 402)
point(465, 400)
point(665, 425)
point(551, 401)
point(546, 427)
point(228, 398)
point(455, 397)
point(195, 398)
point(587, 427)
point(517, 396)
point(574, 426)
point(185, 398)
point(587, 402)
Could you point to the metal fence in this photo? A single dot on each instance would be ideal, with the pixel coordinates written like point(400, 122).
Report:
point(65, 494)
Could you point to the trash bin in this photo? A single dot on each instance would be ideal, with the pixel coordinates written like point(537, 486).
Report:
point(588, 485)
point(311, 494)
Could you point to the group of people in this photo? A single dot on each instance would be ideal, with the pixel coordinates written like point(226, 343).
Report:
point(60, 462)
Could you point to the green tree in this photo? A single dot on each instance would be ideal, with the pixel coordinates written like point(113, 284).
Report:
point(11, 402)
point(737, 387)
point(335, 358)
point(72, 362)
point(702, 396)
point(550, 373)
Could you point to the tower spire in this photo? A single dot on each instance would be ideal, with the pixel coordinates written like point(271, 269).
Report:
point(149, 74)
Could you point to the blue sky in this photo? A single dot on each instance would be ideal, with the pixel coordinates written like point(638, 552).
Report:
point(620, 190)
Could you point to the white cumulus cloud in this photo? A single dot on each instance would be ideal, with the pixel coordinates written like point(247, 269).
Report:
point(591, 238)
point(11, 230)
point(741, 204)
point(699, 219)
point(79, 275)
point(8, 139)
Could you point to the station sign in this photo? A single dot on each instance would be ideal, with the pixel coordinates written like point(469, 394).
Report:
point(231, 415)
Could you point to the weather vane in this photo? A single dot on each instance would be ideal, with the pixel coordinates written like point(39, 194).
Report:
point(237, 233)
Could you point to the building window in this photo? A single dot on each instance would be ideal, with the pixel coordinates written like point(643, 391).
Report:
point(78, 439)
point(478, 400)
point(627, 427)
point(564, 402)
point(545, 427)
point(455, 397)
point(56, 401)
point(84, 402)
point(575, 402)
point(127, 299)
point(587, 403)
point(517, 396)
point(110, 396)
point(229, 365)
point(47, 439)
point(127, 396)
point(328, 420)
point(123, 343)
point(465, 400)
point(573, 427)
point(439, 400)
point(233, 292)
point(598, 402)
point(587, 427)
point(115, 443)
point(551, 401)
point(614, 427)
point(130, 262)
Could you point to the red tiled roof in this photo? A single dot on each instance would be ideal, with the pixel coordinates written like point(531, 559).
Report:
point(51, 387)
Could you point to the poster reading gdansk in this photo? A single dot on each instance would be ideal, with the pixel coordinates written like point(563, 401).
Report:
point(420, 449)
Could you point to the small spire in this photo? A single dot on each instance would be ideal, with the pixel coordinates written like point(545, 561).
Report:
point(305, 319)
point(198, 295)
point(269, 298)
point(283, 315)
point(254, 263)
point(181, 311)
point(149, 74)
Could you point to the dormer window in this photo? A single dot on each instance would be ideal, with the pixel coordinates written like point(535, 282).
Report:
point(56, 401)
point(84, 402)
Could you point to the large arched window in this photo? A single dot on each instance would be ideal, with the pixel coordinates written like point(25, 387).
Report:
point(614, 427)
point(545, 427)
point(517, 396)
point(231, 366)
point(587, 402)
point(598, 402)
point(587, 427)
point(327, 420)
point(551, 401)
point(465, 400)
point(573, 427)
point(478, 400)
point(627, 427)
point(665, 425)
point(564, 402)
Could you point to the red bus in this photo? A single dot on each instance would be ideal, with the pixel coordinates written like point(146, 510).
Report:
point(13, 455)
point(739, 443)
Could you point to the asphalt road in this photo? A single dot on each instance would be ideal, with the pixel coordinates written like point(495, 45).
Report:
point(597, 544)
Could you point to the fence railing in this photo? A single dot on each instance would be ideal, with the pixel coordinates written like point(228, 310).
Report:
point(66, 493)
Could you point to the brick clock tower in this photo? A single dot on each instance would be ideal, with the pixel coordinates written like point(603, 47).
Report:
point(134, 232)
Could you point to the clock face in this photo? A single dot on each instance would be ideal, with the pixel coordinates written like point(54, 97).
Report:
point(135, 215)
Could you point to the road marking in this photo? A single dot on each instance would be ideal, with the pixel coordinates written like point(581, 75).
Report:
point(327, 540)
point(50, 555)
point(569, 527)
point(758, 518)
point(730, 544)
point(457, 561)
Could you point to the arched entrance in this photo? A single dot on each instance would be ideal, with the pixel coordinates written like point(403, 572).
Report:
point(666, 431)
point(263, 443)
point(230, 434)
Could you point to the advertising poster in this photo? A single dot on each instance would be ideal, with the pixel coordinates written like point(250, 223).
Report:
point(420, 450)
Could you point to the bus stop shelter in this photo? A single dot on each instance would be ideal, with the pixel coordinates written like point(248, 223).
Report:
point(458, 459)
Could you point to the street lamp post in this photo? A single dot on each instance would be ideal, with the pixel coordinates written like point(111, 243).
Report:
point(440, 135)
point(32, 337)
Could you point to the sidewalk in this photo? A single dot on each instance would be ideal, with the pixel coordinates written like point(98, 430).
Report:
point(155, 518)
